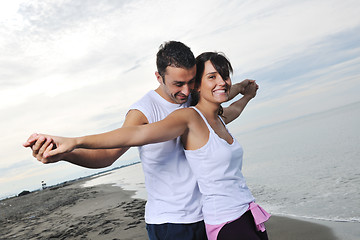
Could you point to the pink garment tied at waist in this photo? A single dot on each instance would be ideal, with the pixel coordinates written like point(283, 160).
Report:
point(260, 216)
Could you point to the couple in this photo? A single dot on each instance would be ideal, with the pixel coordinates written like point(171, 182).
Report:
point(192, 164)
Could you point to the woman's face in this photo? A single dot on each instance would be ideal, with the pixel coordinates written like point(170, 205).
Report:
point(213, 87)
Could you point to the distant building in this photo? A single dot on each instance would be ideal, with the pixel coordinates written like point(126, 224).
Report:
point(23, 193)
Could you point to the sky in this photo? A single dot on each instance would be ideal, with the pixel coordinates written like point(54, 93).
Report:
point(72, 67)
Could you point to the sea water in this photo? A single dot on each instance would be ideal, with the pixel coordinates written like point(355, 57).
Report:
point(307, 167)
point(128, 178)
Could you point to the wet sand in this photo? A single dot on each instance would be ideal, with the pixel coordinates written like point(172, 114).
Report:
point(70, 211)
point(293, 229)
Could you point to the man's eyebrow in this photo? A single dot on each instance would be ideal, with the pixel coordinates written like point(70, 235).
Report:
point(178, 82)
point(184, 82)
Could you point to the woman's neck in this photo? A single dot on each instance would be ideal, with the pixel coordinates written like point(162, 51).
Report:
point(209, 110)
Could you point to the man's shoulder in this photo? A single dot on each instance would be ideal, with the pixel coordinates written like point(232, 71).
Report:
point(151, 106)
point(149, 96)
point(135, 117)
point(144, 102)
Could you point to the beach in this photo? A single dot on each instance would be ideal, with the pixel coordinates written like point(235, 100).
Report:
point(72, 211)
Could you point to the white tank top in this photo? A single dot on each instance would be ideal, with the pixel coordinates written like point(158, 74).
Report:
point(173, 194)
point(217, 167)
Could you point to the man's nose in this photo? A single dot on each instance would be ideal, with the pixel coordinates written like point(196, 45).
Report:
point(185, 90)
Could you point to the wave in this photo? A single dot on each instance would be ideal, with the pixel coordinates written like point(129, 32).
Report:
point(328, 219)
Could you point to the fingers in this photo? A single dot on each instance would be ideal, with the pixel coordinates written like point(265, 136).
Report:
point(43, 147)
point(251, 89)
point(39, 148)
point(30, 141)
point(46, 158)
point(254, 84)
point(47, 150)
point(245, 84)
point(248, 81)
point(251, 81)
point(52, 152)
point(38, 144)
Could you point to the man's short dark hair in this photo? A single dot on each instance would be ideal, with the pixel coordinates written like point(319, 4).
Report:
point(174, 54)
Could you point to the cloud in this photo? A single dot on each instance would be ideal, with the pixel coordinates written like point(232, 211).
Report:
point(17, 165)
point(48, 16)
point(74, 67)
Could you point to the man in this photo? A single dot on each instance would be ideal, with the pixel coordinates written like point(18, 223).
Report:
point(173, 208)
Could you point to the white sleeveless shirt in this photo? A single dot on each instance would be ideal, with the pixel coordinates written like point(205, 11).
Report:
point(173, 194)
point(217, 167)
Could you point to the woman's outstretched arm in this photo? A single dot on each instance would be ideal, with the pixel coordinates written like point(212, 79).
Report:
point(89, 158)
point(169, 128)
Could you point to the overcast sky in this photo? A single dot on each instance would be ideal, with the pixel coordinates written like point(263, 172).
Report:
point(73, 67)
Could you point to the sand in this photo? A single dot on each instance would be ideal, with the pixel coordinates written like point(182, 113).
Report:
point(70, 211)
point(73, 212)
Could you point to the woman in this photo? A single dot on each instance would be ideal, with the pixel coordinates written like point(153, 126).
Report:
point(214, 155)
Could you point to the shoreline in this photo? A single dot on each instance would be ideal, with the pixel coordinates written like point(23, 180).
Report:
point(104, 211)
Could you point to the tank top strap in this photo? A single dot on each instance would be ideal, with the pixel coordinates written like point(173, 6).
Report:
point(223, 122)
point(208, 125)
point(203, 117)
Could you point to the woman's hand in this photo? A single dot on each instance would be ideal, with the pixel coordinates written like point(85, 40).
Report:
point(59, 146)
point(41, 143)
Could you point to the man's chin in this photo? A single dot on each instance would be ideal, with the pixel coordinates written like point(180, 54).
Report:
point(181, 100)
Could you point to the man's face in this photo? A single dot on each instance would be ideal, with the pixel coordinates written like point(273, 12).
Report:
point(178, 83)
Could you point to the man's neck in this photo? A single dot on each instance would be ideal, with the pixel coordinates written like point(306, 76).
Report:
point(162, 94)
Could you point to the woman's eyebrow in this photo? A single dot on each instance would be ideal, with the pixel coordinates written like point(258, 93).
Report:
point(211, 73)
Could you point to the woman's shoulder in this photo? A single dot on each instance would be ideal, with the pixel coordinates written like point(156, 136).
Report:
point(189, 114)
point(189, 111)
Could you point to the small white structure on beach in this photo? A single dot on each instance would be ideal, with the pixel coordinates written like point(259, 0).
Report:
point(43, 184)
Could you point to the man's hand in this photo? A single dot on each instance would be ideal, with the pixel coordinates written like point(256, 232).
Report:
point(250, 90)
point(235, 109)
point(242, 85)
point(239, 88)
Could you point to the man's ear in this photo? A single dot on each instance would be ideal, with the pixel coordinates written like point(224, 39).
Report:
point(158, 77)
point(197, 88)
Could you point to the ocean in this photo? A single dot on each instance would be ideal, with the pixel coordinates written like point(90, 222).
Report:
point(306, 167)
